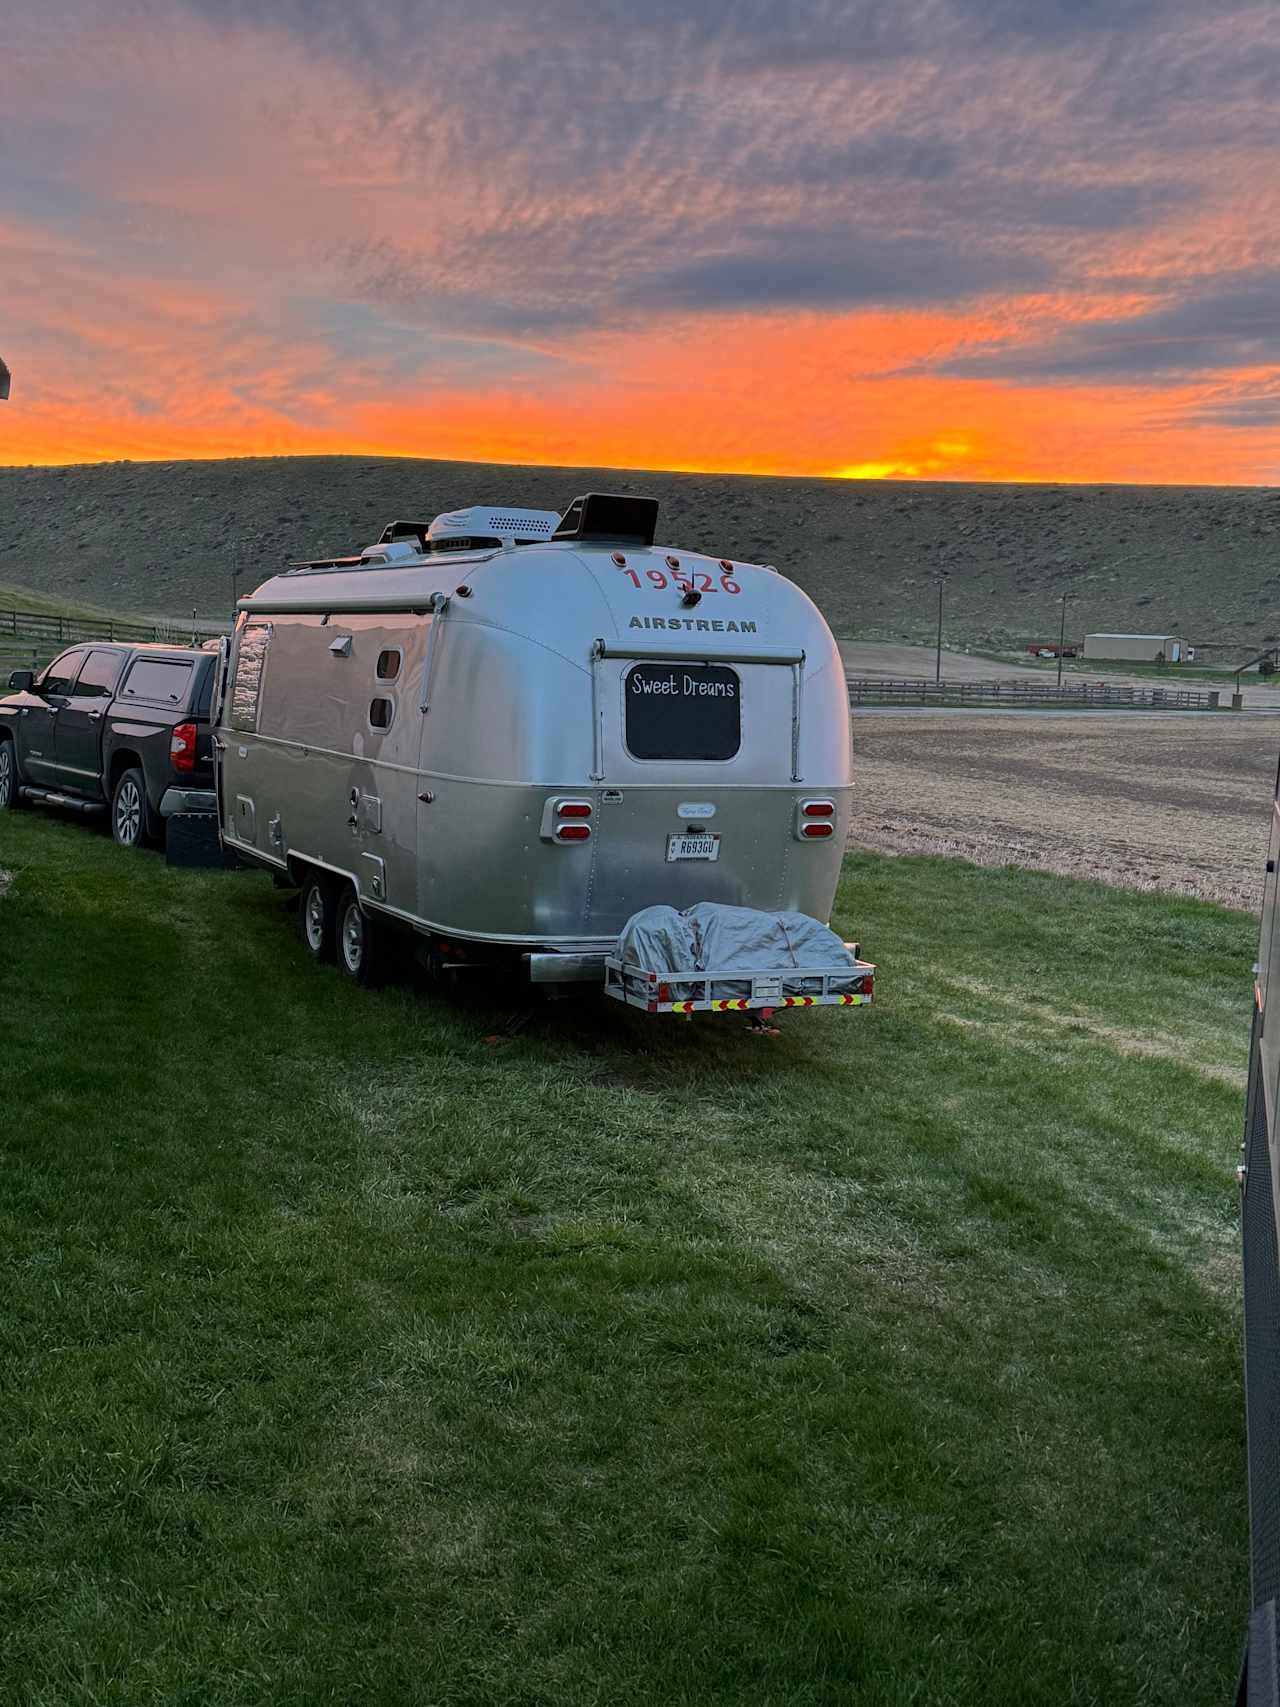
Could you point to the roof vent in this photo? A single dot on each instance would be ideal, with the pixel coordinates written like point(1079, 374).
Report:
point(612, 516)
point(397, 551)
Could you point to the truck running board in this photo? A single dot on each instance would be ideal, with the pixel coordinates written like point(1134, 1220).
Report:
point(51, 797)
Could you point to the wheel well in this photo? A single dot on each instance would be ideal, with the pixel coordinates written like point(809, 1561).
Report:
point(302, 869)
point(120, 762)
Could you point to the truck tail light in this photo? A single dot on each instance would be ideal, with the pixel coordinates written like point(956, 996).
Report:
point(819, 809)
point(814, 832)
point(182, 747)
point(574, 809)
point(573, 832)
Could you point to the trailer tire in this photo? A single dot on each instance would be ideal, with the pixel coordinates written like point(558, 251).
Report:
point(317, 917)
point(361, 941)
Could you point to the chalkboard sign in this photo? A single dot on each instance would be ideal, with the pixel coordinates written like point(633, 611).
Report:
point(683, 711)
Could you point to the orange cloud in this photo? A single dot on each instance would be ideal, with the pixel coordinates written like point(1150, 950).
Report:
point(251, 241)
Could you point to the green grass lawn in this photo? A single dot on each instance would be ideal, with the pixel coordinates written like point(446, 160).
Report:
point(350, 1356)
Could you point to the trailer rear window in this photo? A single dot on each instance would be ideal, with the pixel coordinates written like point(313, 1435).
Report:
point(683, 711)
point(161, 681)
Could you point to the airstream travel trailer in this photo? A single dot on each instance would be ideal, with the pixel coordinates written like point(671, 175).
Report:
point(512, 732)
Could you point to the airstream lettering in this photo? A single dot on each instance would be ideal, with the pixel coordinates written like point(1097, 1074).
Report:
point(703, 625)
point(459, 730)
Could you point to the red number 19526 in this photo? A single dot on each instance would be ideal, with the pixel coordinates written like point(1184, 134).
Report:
point(696, 582)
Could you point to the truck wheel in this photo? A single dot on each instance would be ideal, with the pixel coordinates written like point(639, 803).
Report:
point(317, 905)
point(360, 941)
point(133, 823)
point(9, 796)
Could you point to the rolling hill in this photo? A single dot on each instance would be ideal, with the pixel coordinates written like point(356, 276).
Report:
point(1203, 562)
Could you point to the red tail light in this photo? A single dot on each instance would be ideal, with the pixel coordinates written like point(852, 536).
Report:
point(819, 809)
point(182, 747)
point(816, 830)
point(574, 809)
point(573, 832)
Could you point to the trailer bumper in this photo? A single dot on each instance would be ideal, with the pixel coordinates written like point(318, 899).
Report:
point(576, 968)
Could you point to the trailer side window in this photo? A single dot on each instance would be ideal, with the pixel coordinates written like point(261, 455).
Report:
point(683, 711)
point(380, 713)
point(247, 687)
point(388, 665)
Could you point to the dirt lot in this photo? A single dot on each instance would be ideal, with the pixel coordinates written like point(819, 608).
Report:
point(1171, 803)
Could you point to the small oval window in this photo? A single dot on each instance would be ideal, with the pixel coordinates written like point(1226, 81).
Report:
point(388, 665)
point(380, 713)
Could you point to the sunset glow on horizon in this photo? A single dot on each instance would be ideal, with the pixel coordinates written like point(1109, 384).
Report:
point(1030, 240)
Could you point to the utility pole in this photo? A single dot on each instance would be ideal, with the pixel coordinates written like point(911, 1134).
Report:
point(942, 581)
point(4, 382)
point(1062, 637)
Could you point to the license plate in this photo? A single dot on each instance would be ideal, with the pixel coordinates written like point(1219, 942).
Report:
point(704, 846)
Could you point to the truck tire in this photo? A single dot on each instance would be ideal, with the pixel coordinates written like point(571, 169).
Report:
point(317, 909)
point(361, 941)
point(10, 799)
point(133, 822)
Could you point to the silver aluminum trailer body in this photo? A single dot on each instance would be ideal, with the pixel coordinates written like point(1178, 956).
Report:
point(420, 730)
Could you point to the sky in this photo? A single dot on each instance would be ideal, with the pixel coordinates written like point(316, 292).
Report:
point(961, 239)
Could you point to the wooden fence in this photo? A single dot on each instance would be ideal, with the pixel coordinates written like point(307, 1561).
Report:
point(1017, 693)
point(45, 630)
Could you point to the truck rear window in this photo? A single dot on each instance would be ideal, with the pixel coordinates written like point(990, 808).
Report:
point(683, 711)
point(161, 681)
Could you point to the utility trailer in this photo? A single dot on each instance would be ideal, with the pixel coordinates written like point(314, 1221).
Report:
point(509, 732)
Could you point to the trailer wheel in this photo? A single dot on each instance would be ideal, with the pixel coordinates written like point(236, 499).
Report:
point(317, 906)
point(360, 941)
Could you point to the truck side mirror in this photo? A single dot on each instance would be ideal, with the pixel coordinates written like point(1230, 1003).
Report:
point(20, 680)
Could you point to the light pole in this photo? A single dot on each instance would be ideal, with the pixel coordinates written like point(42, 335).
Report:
point(937, 672)
point(1062, 637)
point(4, 382)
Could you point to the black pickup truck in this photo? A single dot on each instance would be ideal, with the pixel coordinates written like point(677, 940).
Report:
point(118, 727)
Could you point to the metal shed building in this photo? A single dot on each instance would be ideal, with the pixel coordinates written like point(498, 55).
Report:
point(1135, 648)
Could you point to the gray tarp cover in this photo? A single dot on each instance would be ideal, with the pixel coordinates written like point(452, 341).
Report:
point(710, 937)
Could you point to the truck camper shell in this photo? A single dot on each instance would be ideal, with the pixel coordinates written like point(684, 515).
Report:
point(511, 731)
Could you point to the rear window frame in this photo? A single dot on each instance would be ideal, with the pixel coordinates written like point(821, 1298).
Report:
point(168, 703)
